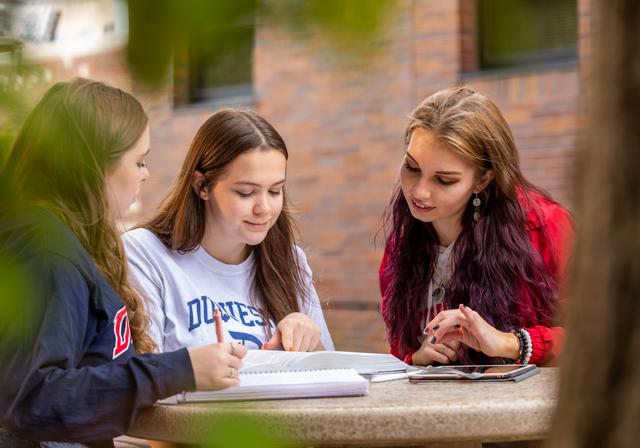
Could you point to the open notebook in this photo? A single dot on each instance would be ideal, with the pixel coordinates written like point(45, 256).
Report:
point(363, 363)
point(270, 374)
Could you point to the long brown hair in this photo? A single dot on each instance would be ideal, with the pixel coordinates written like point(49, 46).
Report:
point(493, 256)
point(180, 220)
point(74, 135)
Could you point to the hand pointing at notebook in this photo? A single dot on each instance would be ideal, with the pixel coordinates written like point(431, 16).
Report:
point(297, 333)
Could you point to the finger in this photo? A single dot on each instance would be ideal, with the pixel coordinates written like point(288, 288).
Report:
point(239, 351)
point(234, 362)
point(450, 353)
point(232, 348)
point(467, 312)
point(298, 338)
point(305, 341)
point(312, 340)
point(313, 343)
point(287, 338)
point(467, 338)
point(228, 382)
point(301, 335)
point(434, 322)
point(274, 342)
point(451, 323)
point(447, 329)
point(453, 339)
point(436, 355)
point(437, 321)
point(471, 316)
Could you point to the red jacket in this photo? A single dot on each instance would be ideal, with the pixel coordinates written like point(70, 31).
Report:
point(554, 247)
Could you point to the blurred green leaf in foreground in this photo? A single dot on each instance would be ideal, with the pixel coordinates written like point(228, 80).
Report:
point(157, 28)
point(233, 430)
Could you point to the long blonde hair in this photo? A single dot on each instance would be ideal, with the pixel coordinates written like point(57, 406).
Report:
point(77, 131)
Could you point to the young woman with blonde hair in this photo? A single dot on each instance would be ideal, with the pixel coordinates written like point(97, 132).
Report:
point(72, 362)
point(475, 253)
point(224, 239)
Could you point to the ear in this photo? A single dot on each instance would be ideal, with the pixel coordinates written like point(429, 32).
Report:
point(199, 185)
point(483, 181)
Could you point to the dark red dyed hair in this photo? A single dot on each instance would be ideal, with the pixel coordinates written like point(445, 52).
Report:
point(493, 258)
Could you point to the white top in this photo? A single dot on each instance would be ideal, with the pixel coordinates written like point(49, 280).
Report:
point(180, 291)
point(441, 273)
point(441, 276)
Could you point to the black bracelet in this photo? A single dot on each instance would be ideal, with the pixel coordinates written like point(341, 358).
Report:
point(523, 346)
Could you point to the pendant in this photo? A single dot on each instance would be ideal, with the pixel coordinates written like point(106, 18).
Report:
point(438, 294)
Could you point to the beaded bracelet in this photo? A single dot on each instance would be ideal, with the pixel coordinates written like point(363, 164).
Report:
point(521, 343)
point(524, 346)
point(529, 347)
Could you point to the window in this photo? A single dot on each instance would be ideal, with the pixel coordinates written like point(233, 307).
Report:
point(65, 28)
point(5, 20)
point(524, 33)
point(216, 64)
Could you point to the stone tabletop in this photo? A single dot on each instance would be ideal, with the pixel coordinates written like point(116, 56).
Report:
point(393, 413)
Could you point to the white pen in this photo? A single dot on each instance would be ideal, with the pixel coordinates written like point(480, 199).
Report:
point(389, 377)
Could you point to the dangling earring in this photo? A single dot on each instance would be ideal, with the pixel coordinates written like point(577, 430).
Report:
point(476, 203)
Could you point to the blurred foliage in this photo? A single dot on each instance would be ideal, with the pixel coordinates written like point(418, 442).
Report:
point(339, 21)
point(15, 99)
point(158, 27)
point(15, 103)
point(233, 430)
point(13, 292)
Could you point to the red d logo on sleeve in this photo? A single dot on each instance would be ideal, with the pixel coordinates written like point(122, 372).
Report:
point(122, 332)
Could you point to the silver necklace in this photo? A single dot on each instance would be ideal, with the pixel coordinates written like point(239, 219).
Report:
point(438, 293)
point(438, 283)
point(440, 280)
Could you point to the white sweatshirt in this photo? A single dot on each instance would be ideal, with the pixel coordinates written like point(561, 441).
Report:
point(180, 291)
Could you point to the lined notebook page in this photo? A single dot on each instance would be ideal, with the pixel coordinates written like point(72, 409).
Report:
point(293, 384)
point(363, 363)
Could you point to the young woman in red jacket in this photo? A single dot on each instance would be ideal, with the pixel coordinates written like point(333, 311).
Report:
point(474, 252)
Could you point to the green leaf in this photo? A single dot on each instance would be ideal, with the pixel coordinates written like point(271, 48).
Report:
point(14, 292)
point(233, 430)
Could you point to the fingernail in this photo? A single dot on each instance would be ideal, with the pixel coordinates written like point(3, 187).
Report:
point(433, 340)
point(436, 327)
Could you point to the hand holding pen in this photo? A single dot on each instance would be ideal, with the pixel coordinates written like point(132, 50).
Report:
point(216, 366)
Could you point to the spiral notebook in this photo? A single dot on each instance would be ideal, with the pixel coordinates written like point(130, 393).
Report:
point(292, 384)
point(268, 374)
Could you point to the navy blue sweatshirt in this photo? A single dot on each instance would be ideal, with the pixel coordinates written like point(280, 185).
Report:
point(68, 368)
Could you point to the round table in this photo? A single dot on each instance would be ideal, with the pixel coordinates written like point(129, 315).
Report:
point(396, 413)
